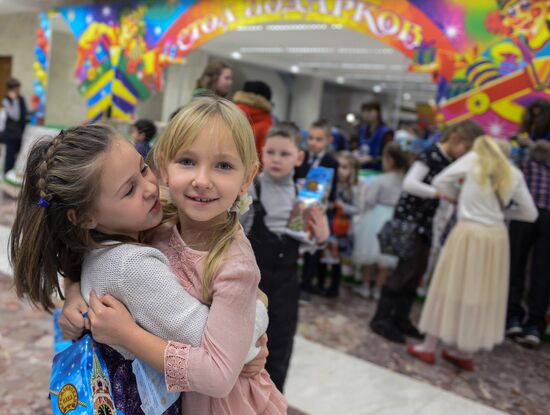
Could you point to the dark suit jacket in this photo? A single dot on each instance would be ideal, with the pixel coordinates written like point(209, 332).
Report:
point(326, 161)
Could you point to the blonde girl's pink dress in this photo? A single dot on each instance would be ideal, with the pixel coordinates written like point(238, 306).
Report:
point(209, 375)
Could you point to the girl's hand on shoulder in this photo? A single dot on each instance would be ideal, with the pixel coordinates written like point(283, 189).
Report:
point(443, 196)
point(110, 321)
point(255, 366)
point(318, 223)
point(72, 321)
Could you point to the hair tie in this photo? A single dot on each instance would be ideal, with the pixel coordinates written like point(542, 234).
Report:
point(241, 205)
point(43, 203)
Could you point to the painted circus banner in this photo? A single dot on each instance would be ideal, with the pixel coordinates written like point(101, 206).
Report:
point(489, 58)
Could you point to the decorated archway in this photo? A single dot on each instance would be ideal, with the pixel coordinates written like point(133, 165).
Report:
point(489, 58)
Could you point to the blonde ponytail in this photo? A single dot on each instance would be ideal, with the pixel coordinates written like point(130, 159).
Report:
point(221, 240)
point(494, 169)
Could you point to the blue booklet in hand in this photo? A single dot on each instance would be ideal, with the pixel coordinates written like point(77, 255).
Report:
point(315, 191)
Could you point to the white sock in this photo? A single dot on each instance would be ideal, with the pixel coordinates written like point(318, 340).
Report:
point(428, 345)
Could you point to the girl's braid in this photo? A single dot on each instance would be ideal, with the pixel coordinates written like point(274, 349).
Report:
point(44, 167)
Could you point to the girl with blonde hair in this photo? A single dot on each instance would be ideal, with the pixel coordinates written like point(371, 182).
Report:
point(86, 200)
point(207, 159)
point(413, 222)
point(466, 303)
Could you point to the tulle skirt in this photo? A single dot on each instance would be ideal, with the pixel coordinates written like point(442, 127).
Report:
point(466, 302)
point(366, 249)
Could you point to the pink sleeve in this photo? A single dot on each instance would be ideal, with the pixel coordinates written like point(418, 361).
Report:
point(176, 356)
point(213, 368)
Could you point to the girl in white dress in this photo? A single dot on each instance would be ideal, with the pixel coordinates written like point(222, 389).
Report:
point(377, 208)
point(466, 303)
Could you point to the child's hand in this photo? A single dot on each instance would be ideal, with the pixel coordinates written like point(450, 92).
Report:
point(525, 140)
point(364, 158)
point(443, 196)
point(254, 367)
point(110, 321)
point(318, 223)
point(333, 249)
point(71, 320)
point(338, 204)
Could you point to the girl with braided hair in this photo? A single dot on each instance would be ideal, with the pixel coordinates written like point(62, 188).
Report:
point(207, 158)
point(86, 200)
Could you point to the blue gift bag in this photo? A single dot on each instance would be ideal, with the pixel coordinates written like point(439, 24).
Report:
point(79, 382)
point(80, 385)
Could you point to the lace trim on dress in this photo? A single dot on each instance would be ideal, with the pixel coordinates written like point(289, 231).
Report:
point(176, 356)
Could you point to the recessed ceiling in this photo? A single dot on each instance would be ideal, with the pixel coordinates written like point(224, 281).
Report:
point(328, 51)
point(22, 6)
point(331, 52)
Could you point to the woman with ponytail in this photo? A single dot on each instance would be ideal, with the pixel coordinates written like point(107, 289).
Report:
point(466, 303)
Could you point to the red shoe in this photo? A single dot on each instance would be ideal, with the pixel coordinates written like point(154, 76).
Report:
point(426, 357)
point(465, 364)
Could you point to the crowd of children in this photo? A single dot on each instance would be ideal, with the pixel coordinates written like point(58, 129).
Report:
point(470, 178)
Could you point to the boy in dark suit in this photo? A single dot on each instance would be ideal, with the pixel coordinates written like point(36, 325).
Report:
point(317, 155)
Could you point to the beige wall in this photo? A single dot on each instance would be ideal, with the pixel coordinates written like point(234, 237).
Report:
point(17, 39)
point(307, 96)
point(180, 82)
point(64, 104)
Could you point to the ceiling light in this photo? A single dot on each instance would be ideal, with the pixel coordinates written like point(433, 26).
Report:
point(251, 28)
point(319, 50)
point(406, 96)
point(377, 89)
point(292, 27)
point(351, 118)
point(261, 49)
point(236, 55)
point(397, 68)
point(366, 51)
point(309, 50)
point(294, 69)
point(412, 78)
point(324, 65)
point(340, 80)
point(451, 31)
point(366, 66)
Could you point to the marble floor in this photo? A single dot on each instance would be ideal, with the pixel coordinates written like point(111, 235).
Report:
point(510, 379)
point(338, 365)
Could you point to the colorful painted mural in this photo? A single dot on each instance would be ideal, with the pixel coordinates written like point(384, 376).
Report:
point(40, 67)
point(501, 65)
point(489, 58)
